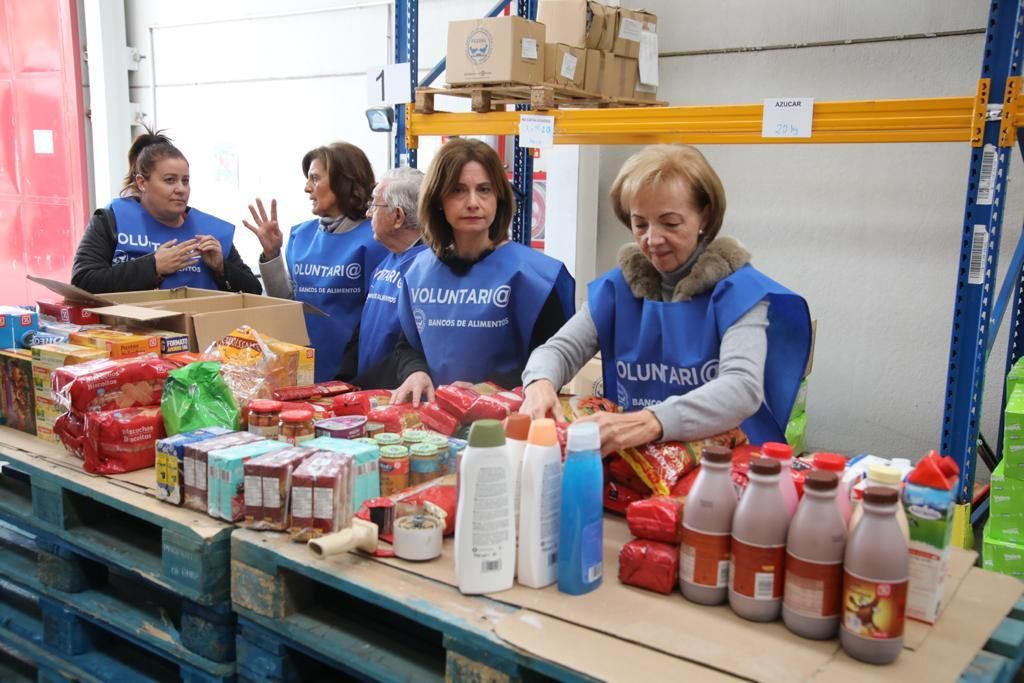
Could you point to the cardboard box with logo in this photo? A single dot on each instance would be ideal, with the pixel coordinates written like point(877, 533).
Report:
point(495, 50)
point(610, 75)
point(579, 23)
point(565, 65)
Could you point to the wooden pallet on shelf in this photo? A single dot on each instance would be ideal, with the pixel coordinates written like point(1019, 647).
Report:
point(487, 97)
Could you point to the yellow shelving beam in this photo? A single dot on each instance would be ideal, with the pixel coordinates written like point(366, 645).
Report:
point(943, 119)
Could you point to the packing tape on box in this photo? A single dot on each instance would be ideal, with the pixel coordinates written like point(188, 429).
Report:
point(418, 537)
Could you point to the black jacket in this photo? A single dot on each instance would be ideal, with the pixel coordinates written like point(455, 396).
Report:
point(93, 272)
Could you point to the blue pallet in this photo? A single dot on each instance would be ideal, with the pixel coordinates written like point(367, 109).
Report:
point(112, 521)
point(1003, 657)
point(98, 629)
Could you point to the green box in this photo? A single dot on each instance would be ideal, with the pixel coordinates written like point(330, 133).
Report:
point(1003, 557)
point(1014, 378)
point(1007, 491)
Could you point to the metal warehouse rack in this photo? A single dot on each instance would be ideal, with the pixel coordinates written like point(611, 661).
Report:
point(988, 121)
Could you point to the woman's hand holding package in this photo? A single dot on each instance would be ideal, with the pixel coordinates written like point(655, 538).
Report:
point(625, 430)
point(414, 388)
point(267, 229)
point(172, 257)
point(541, 400)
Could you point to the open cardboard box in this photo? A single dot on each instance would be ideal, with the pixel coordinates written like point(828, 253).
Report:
point(205, 315)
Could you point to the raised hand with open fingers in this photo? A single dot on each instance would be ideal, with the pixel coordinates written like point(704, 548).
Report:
point(266, 228)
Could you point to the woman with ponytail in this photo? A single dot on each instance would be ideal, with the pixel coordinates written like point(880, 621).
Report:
point(149, 237)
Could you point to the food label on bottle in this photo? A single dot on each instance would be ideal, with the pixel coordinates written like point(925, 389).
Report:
point(704, 558)
point(874, 609)
point(492, 523)
point(813, 589)
point(757, 570)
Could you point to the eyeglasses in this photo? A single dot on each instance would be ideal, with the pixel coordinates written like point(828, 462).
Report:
point(374, 207)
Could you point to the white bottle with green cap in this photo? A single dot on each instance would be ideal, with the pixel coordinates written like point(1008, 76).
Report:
point(485, 541)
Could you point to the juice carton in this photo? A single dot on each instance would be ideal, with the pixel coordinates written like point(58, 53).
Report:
point(929, 507)
point(17, 325)
point(117, 344)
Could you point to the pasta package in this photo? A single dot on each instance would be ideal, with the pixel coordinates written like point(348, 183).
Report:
point(111, 383)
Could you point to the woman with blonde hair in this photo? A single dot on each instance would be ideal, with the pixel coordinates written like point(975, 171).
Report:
point(474, 305)
point(694, 340)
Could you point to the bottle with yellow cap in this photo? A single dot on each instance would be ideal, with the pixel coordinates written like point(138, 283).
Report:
point(888, 477)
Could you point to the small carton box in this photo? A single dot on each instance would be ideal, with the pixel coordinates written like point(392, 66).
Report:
point(17, 325)
point(1006, 512)
point(268, 487)
point(629, 27)
point(580, 23)
point(366, 465)
point(116, 343)
point(300, 360)
point(47, 411)
point(170, 456)
point(46, 433)
point(170, 342)
point(609, 75)
point(18, 396)
point(64, 312)
point(226, 475)
point(565, 65)
point(195, 459)
point(1002, 556)
point(930, 516)
point(495, 50)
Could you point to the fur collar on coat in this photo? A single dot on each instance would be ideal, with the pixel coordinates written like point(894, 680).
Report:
point(721, 258)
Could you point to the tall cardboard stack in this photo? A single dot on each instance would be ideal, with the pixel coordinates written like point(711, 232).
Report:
point(1003, 549)
point(604, 45)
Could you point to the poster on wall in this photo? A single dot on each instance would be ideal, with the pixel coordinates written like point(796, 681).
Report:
point(539, 209)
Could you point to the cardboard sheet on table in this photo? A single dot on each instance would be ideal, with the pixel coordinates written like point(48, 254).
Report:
point(712, 633)
point(595, 654)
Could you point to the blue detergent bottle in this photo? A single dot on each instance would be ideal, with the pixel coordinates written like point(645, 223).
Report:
point(581, 547)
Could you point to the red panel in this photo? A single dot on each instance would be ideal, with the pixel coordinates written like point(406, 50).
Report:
point(50, 251)
point(8, 155)
point(39, 103)
point(5, 43)
point(13, 285)
point(37, 29)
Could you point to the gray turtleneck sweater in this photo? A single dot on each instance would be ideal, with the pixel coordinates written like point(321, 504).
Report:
point(719, 405)
point(274, 272)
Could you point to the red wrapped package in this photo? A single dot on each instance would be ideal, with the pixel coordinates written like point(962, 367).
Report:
point(513, 401)
point(649, 564)
point(456, 400)
point(396, 418)
point(520, 392)
point(618, 497)
point(70, 429)
point(442, 495)
point(741, 456)
point(487, 408)
point(111, 383)
point(620, 472)
point(487, 388)
point(682, 488)
point(360, 402)
point(436, 418)
point(661, 464)
point(656, 519)
point(332, 388)
point(122, 440)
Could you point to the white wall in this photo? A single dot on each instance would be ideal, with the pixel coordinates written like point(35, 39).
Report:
point(868, 233)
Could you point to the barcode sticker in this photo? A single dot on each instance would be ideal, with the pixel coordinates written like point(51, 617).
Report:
point(552, 559)
point(979, 256)
point(594, 573)
point(723, 573)
point(764, 585)
point(987, 177)
point(490, 566)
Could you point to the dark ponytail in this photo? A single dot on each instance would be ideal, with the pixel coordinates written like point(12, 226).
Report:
point(147, 149)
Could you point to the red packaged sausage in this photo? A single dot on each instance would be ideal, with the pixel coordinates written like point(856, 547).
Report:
point(396, 418)
point(487, 407)
point(360, 402)
point(618, 497)
point(656, 519)
point(435, 417)
point(456, 400)
point(649, 564)
point(111, 383)
point(513, 401)
point(331, 388)
point(122, 440)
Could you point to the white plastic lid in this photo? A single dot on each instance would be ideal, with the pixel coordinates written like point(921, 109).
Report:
point(584, 436)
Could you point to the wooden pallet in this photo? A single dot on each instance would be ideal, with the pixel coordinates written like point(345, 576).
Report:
point(114, 520)
point(487, 98)
point(358, 616)
point(1003, 656)
point(99, 634)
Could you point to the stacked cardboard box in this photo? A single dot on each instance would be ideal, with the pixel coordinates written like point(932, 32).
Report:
point(495, 50)
point(1003, 547)
point(45, 359)
point(616, 39)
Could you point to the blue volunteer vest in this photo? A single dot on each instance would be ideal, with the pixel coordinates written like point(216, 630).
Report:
point(380, 327)
point(332, 272)
point(478, 325)
point(652, 350)
point(138, 234)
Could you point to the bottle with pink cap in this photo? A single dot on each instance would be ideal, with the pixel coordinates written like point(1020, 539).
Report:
point(784, 454)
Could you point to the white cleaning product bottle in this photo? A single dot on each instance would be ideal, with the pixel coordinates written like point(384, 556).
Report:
point(485, 543)
point(517, 429)
point(540, 506)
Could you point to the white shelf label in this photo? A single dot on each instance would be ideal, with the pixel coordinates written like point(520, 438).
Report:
point(987, 176)
point(536, 131)
point(979, 256)
point(42, 141)
point(389, 84)
point(787, 117)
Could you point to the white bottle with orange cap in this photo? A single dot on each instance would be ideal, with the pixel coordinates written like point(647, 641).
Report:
point(540, 506)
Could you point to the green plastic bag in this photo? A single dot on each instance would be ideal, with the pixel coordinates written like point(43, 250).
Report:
point(196, 396)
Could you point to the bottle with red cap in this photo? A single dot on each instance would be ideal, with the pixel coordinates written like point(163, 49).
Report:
point(784, 454)
point(834, 462)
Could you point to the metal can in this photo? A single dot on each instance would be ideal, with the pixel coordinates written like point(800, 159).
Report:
point(394, 469)
point(423, 463)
